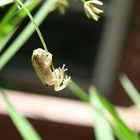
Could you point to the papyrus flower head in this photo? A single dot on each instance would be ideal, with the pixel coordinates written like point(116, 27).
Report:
point(91, 10)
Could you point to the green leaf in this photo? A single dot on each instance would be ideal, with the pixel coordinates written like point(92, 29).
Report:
point(130, 89)
point(119, 127)
point(11, 20)
point(5, 40)
point(102, 127)
point(22, 124)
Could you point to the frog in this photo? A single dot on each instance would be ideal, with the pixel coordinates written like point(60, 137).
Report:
point(42, 63)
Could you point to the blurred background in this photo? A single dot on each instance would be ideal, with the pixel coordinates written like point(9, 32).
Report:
point(71, 38)
point(94, 52)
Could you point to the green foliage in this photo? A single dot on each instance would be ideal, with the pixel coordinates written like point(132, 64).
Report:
point(109, 115)
point(11, 20)
point(22, 124)
point(102, 127)
point(26, 33)
point(34, 23)
point(130, 89)
point(107, 122)
point(118, 126)
point(81, 94)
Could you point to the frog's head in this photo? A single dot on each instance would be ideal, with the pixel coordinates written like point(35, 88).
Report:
point(39, 55)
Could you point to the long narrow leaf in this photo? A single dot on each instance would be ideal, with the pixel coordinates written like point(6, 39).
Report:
point(120, 129)
point(102, 127)
point(130, 89)
point(22, 124)
point(5, 40)
point(11, 20)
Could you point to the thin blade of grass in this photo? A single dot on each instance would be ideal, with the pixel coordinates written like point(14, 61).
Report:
point(130, 89)
point(119, 127)
point(22, 124)
point(102, 127)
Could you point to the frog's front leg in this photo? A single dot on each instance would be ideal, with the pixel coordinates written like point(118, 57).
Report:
point(48, 61)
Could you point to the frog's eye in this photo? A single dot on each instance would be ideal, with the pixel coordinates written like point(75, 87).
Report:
point(47, 55)
point(36, 57)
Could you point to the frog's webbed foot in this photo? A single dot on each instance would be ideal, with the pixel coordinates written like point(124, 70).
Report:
point(62, 81)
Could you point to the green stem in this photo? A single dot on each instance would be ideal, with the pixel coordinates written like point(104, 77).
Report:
point(35, 25)
point(77, 91)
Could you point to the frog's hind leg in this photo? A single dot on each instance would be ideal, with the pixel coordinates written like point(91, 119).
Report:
point(62, 81)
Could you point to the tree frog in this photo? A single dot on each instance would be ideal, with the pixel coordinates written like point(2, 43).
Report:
point(42, 63)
